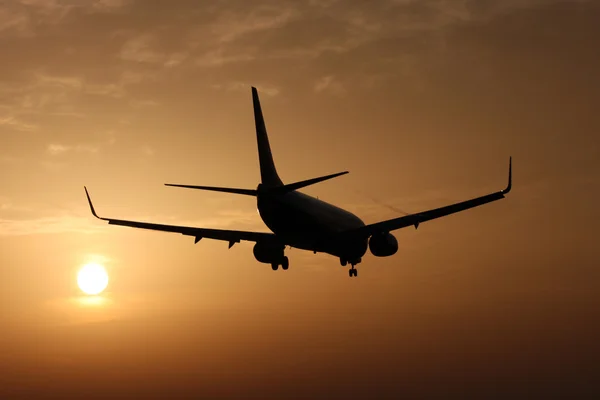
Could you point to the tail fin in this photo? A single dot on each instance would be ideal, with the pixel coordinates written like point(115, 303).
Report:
point(268, 173)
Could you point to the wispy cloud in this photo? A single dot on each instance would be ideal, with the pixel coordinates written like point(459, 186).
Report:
point(219, 57)
point(24, 17)
point(52, 95)
point(233, 25)
point(144, 48)
point(9, 160)
point(329, 84)
point(69, 82)
point(81, 222)
point(110, 5)
point(140, 49)
point(143, 103)
point(16, 123)
point(148, 151)
point(266, 89)
point(47, 225)
point(56, 149)
point(14, 21)
point(8, 205)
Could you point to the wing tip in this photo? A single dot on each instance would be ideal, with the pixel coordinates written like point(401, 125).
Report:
point(509, 186)
point(90, 203)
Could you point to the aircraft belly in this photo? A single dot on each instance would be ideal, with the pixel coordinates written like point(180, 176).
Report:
point(294, 225)
point(309, 225)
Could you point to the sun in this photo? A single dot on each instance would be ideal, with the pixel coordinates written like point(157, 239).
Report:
point(92, 279)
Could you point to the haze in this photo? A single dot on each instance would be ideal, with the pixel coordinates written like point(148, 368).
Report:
point(422, 101)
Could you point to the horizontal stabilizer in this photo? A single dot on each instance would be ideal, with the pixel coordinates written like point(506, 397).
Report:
point(308, 182)
point(272, 190)
point(247, 192)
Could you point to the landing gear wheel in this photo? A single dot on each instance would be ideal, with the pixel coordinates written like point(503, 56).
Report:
point(274, 266)
point(352, 272)
point(285, 263)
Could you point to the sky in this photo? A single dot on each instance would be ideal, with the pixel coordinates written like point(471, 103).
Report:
point(423, 101)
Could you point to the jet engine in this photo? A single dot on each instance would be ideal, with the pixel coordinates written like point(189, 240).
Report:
point(383, 244)
point(268, 253)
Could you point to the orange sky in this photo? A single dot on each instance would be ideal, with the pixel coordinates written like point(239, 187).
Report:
point(422, 101)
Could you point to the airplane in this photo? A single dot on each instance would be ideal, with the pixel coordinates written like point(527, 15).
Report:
point(297, 220)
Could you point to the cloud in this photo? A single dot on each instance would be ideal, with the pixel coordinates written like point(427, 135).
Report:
point(139, 49)
point(56, 149)
point(7, 205)
point(81, 223)
point(143, 103)
point(110, 5)
point(175, 59)
point(41, 94)
point(232, 25)
point(14, 21)
point(9, 160)
point(143, 48)
point(68, 82)
point(236, 86)
point(47, 225)
point(216, 58)
point(148, 151)
point(26, 17)
point(329, 84)
point(59, 149)
point(15, 123)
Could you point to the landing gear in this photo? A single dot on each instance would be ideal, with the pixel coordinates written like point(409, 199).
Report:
point(352, 271)
point(285, 264)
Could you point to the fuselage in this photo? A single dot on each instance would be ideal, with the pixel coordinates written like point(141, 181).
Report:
point(308, 223)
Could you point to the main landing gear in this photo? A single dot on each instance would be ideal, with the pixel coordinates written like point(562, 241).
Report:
point(352, 271)
point(285, 263)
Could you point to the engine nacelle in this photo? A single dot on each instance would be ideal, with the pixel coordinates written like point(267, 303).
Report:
point(383, 245)
point(268, 253)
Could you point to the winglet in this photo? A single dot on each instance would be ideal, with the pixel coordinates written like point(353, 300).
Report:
point(509, 177)
point(91, 205)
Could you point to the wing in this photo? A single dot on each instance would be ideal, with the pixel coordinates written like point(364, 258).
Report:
point(198, 233)
point(418, 218)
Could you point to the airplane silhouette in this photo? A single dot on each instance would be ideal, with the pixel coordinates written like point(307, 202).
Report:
point(304, 222)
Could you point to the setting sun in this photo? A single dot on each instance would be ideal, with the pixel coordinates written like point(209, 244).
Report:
point(92, 279)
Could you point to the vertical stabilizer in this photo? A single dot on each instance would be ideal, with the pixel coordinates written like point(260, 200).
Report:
point(268, 173)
